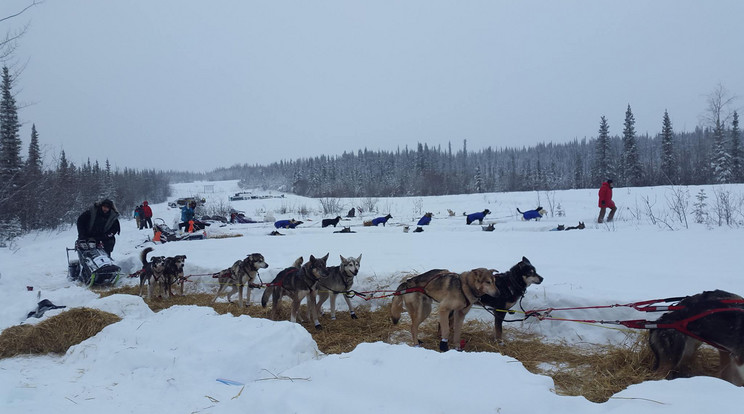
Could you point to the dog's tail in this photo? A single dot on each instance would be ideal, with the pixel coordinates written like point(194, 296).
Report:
point(143, 255)
point(396, 309)
point(298, 263)
point(519, 211)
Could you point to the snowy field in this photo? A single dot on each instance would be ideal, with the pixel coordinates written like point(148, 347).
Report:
point(170, 361)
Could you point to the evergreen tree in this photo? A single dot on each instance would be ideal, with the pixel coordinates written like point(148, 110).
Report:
point(668, 159)
point(478, 180)
point(737, 167)
point(10, 150)
point(601, 167)
point(33, 184)
point(631, 164)
point(720, 158)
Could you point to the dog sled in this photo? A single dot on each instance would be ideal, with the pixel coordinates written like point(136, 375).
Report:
point(91, 265)
point(163, 233)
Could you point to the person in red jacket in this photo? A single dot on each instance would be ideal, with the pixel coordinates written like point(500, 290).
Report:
point(146, 220)
point(605, 201)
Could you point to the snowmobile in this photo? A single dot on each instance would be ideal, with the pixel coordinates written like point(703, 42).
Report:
point(91, 264)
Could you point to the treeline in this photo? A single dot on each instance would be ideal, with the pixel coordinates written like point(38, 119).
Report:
point(33, 197)
point(704, 156)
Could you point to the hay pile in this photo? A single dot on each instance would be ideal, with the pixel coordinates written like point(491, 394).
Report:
point(56, 334)
point(595, 372)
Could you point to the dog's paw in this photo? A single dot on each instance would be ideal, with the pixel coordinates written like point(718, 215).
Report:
point(319, 327)
point(443, 346)
point(354, 316)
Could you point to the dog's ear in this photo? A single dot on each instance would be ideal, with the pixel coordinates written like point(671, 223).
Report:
point(359, 259)
point(325, 258)
point(525, 260)
point(343, 260)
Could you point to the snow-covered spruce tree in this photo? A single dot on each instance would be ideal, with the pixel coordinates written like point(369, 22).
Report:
point(720, 162)
point(699, 208)
point(631, 164)
point(601, 166)
point(668, 158)
point(10, 150)
point(478, 179)
point(737, 161)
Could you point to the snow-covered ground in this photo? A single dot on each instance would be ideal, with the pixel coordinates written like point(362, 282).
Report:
point(170, 361)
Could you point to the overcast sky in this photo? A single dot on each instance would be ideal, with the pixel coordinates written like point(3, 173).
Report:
point(196, 85)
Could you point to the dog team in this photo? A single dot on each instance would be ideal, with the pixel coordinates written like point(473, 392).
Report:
point(712, 317)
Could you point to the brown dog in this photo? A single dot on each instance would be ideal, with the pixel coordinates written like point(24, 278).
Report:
point(454, 292)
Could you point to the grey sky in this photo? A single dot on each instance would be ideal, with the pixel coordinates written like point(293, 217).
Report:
point(195, 85)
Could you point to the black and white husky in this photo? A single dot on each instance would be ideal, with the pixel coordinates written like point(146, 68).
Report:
point(339, 280)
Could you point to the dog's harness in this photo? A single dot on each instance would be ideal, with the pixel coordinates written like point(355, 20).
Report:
point(284, 275)
point(230, 273)
point(681, 325)
point(422, 289)
point(418, 289)
point(347, 280)
point(515, 286)
point(735, 305)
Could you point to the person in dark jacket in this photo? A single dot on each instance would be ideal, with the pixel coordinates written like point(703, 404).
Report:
point(187, 216)
point(605, 202)
point(100, 223)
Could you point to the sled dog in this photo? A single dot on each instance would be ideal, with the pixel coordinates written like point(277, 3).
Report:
point(152, 271)
point(297, 283)
point(173, 272)
point(331, 222)
point(536, 214)
point(715, 317)
point(339, 280)
point(454, 292)
point(479, 216)
point(510, 286)
point(241, 273)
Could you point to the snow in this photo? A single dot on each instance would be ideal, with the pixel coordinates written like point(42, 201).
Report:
point(170, 361)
